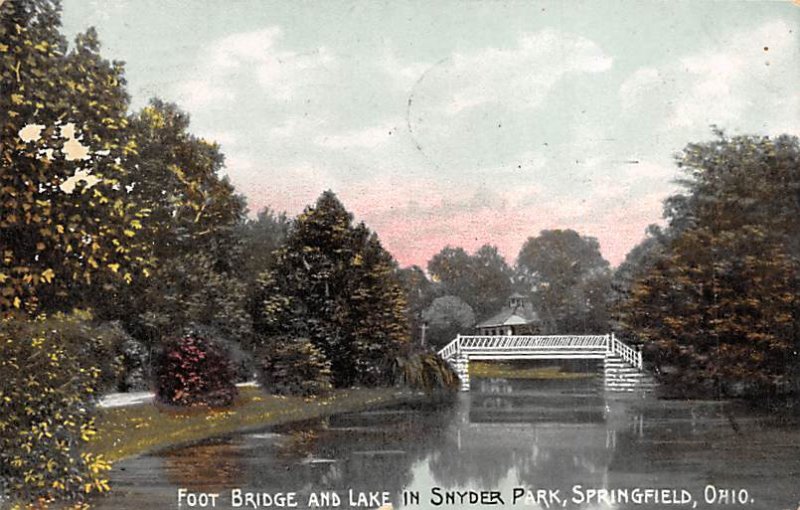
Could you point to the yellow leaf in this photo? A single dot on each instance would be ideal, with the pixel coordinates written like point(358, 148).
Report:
point(48, 274)
point(114, 267)
point(17, 302)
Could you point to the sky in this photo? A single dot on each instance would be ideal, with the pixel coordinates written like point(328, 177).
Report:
point(461, 123)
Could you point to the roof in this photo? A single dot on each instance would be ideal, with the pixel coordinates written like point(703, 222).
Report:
point(517, 316)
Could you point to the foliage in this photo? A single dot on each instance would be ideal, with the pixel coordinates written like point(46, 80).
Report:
point(568, 279)
point(193, 228)
point(636, 265)
point(288, 366)
point(483, 280)
point(334, 284)
point(260, 238)
point(719, 308)
point(425, 371)
point(446, 317)
point(66, 223)
point(96, 344)
point(718, 313)
point(420, 292)
point(188, 291)
point(135, 376)
point(47, 395)
point(194, 371)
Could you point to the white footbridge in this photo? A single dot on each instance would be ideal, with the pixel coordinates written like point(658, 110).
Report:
point(622, 364)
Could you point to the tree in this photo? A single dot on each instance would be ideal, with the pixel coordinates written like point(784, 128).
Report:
point(334, 284)
point(193, 226)
point(420, 292)
point(718, 311)
point(66, 223)
point(638, 262)
point(447, 317)
point(260, 239)
point(482, 280)
point(568, 279)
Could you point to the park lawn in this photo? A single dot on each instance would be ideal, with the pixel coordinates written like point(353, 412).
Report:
point(509, 371)
point(133, 430)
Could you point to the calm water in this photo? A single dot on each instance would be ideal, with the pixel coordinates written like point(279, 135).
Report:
point(502, 435)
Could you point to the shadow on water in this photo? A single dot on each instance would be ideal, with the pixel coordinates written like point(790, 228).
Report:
point(504, 433)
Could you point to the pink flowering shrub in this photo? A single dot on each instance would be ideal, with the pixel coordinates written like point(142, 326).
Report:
point(194, 371)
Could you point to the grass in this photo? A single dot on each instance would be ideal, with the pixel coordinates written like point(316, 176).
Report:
point(127, 431)
point(509, 371)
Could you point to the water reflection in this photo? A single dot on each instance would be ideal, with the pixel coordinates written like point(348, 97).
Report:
point(503, 434)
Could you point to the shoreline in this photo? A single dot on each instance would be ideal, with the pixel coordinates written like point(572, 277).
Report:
point(141, 429)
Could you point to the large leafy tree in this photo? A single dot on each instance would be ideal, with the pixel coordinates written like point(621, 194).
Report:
point(483, 280)
point(446, 317)
point(192, 228)
point(334, 284)
point(719, 308)
point(719, 311)
point(568, 280)
point(66, 223)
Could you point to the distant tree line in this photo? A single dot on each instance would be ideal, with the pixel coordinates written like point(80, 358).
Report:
point(562, 273)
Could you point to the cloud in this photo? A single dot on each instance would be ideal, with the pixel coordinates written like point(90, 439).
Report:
point(199, 93)
point(746, 81)
point(371, 137)
point(259, 58)
point(521, 75)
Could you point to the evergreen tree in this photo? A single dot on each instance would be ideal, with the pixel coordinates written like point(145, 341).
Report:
point(334, 284)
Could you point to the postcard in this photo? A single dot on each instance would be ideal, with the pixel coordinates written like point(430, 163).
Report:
point(400, 255)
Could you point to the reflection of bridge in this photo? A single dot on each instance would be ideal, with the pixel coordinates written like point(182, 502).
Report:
point(622, 365)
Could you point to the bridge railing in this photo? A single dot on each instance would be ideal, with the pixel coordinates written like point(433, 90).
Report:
point(626, 352)
point(512, 343)
point(451, 349)
point(523, 342)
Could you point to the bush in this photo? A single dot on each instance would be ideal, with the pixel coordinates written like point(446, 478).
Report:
point(47, 393)
point(134, 366)
point(97, 344)
point(423, 370)
point(194, 371)
point(289, 366)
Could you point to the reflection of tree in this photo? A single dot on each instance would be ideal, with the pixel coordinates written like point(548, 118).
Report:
point(211, 466)
point(480, 464)
point(365, 451)
point(539, 432)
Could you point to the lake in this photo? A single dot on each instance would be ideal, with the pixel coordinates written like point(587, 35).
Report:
point(506, 444)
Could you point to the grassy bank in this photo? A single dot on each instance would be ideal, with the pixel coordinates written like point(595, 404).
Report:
point(511, 371)
point(127, 431)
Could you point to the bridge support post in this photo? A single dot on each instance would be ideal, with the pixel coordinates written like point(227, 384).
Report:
point(461, 366)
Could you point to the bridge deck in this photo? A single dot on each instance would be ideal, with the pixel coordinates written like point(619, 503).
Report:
point(540, 347)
